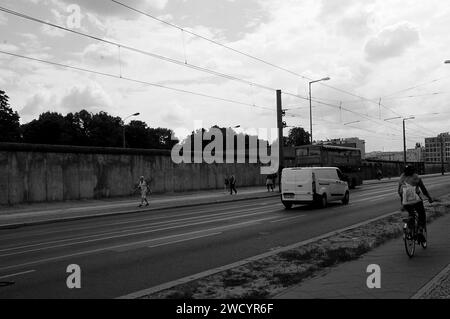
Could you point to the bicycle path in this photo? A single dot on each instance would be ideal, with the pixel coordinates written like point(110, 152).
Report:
point(401, 277)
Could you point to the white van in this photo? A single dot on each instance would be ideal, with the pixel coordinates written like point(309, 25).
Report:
point(318, 185)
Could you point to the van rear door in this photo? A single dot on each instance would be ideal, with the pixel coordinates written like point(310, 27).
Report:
point(297, 184)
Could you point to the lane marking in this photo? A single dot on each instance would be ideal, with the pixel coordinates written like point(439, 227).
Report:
point(288, 218)
point(183, 240)
point(17, 274)
point(135, 233)
point(40, 261)
point(152, 218)
point(150, 225)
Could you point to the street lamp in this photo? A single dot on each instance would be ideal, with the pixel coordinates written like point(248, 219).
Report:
point(123, 128)
point(404, 133)
point(310, 106)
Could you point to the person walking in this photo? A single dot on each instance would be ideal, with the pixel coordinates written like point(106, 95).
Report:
point(144, 188)
point(269, 183)
point(232, 182)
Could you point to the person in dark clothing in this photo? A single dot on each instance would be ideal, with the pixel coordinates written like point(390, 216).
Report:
point(410, 187)
point(232, 182)
point(269, 183)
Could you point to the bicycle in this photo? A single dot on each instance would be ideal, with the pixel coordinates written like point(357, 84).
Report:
point(412, 235)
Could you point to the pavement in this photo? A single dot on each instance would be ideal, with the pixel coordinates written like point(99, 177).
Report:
point(426, 275)
point(124, 253)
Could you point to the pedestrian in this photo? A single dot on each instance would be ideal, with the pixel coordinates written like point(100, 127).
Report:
point(226, 183)
point(269, 183)
point(144, 188)
point(232, 182)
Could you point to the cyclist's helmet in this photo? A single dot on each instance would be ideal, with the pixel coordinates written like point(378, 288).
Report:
point(409, 170)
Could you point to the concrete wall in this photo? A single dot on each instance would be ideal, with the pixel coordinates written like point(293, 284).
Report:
point(39, 173)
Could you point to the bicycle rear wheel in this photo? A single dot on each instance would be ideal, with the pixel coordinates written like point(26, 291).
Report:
point(410, 243)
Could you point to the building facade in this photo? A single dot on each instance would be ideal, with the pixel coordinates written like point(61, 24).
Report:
point(433, 148)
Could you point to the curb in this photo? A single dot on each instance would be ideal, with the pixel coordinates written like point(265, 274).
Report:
point(134, 211)
point(432, 283)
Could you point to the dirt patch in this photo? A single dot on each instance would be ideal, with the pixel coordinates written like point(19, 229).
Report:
point(269, 276)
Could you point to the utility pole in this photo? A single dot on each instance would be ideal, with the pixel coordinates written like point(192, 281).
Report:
point(442, 155)
point(404, 144)
point(280, 126)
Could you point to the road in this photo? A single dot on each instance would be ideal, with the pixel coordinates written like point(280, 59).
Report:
point(122, 254)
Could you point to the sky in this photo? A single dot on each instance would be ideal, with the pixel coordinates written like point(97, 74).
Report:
point(371, 49)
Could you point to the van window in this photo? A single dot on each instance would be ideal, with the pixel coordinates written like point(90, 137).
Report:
point(327, 174)
point(296, 175)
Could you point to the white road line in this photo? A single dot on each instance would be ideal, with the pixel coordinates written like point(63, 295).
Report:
point(135, 233)
point(143, 219)
point(169, 221)
point(86, 252)
point(183, 240)
point(288, 218)
point(17, 274)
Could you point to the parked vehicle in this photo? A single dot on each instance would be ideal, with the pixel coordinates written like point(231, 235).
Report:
point(313, 185)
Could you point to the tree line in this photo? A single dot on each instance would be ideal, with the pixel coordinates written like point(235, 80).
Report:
point(80, 129)
point(97, 129)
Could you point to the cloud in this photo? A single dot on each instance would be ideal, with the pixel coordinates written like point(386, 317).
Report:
point(391, 42)
point(110, 9)
point(102, 54)
point(3, 19)
point(91, 97)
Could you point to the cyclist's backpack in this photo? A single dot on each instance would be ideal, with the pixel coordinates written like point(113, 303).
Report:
point(410, 195)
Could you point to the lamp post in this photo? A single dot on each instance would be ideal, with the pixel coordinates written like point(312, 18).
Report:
point(310, 106)
point(124, 145)
point(404, 133)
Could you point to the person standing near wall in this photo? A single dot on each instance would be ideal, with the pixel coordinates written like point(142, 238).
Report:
point(226, 183)
point(144, 188)
point(232, 182)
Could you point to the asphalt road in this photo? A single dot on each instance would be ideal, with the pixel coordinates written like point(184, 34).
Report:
point(119, 255)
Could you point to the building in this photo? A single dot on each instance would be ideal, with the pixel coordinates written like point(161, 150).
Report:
point(347, 142)
point(412, 155)
point(433, 148)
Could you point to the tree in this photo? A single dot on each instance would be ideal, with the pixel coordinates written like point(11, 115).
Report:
point(298, 137)
point(49, 128)
point(9, 121)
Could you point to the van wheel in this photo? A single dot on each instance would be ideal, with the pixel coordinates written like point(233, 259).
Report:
point(346, 198)
point(323, 201)
point(287, 205)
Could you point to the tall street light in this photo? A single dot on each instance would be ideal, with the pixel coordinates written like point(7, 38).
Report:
point(404, 133)
point(310, 106)
point(123, 128)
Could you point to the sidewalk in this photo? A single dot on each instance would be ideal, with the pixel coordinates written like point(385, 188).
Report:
point(426, 274)
point(38, 213)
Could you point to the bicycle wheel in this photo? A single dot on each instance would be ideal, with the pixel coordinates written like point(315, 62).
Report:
point(410, 242)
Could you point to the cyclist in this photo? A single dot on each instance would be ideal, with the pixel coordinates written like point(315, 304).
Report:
point(410, 186)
